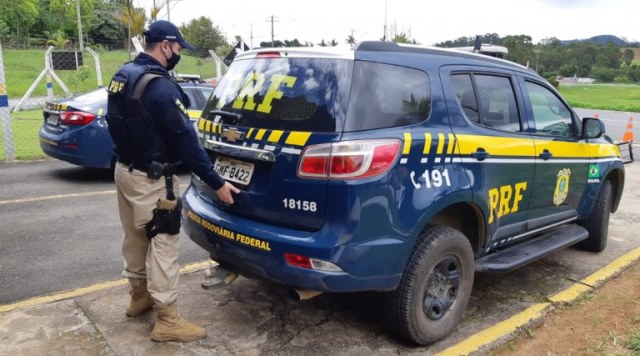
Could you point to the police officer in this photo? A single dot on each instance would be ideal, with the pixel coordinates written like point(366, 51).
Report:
point(150, 128)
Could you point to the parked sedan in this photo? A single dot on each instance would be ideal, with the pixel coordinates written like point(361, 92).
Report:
point(75, 129)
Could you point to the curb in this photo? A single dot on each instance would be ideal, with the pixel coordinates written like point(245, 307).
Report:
point(507, 329)
point(190, 268)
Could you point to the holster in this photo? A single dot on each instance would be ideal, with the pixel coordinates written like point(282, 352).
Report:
point(166, 218)
point(166, 215)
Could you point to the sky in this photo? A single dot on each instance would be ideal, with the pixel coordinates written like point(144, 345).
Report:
point(427, 21)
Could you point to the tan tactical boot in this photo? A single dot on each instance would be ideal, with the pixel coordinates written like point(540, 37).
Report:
point(172, 327)
point(140, 298)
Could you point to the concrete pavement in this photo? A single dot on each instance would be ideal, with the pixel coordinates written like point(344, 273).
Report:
point(252, 317)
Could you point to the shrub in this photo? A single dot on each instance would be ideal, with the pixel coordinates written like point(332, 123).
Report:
point(605, 75)
point(553, 81)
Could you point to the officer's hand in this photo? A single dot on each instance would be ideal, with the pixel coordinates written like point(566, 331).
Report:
point(224, 193)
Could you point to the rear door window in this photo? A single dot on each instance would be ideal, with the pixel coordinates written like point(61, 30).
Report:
point(385, 95)
point(301, 94)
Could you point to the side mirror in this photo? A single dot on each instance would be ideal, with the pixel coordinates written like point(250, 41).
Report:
point(592, 128)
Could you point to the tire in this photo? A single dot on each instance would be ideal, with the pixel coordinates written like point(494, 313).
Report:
point(442, 259)
point(597, 224)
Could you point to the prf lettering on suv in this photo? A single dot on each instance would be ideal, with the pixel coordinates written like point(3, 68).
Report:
point(397, 168)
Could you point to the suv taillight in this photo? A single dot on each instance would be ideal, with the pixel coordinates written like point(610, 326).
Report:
point(348, 159)
point(76, 117)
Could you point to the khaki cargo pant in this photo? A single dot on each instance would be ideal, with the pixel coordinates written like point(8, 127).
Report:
point(155, 260)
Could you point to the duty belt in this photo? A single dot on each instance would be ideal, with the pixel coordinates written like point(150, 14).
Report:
point(154, 170)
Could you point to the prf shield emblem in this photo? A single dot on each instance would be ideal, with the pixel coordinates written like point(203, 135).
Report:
point(562, 186)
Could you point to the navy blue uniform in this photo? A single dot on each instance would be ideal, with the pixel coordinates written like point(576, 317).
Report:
point(165, 134)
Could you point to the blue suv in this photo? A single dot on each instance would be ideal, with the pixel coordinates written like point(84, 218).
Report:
point(397, 168)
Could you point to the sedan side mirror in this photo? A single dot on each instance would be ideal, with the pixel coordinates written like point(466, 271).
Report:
point(592, 128)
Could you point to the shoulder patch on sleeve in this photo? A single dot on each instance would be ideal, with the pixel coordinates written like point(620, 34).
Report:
point(115, 86)
point(181, 106)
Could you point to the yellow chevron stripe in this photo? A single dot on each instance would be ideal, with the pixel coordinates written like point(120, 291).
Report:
point(440, 144)
point(207, 126)
point(201, 123)
point(407, 143)
point(297, 138)
point(260, 134)
point(452, 144)
point(275, 136)
point(249, 133)
point(427, 143)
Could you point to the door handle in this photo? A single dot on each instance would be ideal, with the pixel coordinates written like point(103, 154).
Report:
point(480, 154)
point(545, 155)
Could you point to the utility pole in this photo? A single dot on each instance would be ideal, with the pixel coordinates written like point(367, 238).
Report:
point(272, 20)
point(251, 36)
point(80, 40)
point(168, 12)
point(384, 37)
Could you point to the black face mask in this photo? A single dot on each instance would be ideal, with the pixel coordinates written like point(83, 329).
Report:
point(171, 62)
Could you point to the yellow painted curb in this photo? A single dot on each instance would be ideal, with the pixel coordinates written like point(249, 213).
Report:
point(90, 289)
point(489, 335)
point(504, 328)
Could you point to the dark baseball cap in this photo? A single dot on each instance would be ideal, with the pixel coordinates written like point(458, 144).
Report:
point(162, 30)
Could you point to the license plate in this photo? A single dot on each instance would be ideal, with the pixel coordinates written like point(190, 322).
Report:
point(234, 170)
point(52, 119)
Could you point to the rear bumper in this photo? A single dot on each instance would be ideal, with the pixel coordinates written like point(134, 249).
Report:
point(84, 147)
point(257, 250)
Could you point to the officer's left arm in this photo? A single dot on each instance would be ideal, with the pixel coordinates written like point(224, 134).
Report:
point(170, 113)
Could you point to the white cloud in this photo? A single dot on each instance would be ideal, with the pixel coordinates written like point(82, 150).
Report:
point(428, 21)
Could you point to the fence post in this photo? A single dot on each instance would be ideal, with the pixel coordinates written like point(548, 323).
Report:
point(9, 151)
point(96, 60)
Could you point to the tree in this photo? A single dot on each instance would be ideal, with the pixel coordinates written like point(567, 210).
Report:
point(403, 38)
point(203, 34)
point(66, 18)
point(107, 30)
point(520, 48)
point(492, 38)
point(132, 18)
point(609, 56)
point(350, 40)
point(627, 56)
point(19, 16)
point(59, 40)
point(155, 10)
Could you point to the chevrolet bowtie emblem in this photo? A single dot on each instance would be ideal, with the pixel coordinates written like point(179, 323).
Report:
point(232, 134)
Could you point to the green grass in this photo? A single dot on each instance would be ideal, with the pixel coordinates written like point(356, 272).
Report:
point(633, 342)
point(25, 126)
point(603, 96)
point(22, 67)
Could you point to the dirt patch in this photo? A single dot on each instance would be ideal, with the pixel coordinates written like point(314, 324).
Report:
point(603, 322)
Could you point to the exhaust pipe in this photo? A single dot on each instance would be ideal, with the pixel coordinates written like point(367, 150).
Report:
point(303, 294)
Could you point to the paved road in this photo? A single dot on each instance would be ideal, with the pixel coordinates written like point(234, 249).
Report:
point(68, 242)
point(53, 240)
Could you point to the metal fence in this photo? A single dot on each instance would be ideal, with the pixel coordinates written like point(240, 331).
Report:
point(60, 74)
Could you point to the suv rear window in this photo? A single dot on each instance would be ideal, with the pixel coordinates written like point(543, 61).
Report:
point(300, 94)
point(386, 96)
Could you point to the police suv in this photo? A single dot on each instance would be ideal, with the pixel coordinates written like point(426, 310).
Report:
point(397, 168)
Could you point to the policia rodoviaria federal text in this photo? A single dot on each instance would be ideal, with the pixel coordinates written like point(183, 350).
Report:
point(151, 131)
